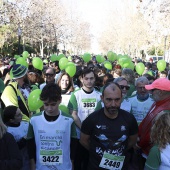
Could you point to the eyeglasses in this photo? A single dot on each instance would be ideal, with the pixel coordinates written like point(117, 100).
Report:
point(50, 75)
point(126, 87)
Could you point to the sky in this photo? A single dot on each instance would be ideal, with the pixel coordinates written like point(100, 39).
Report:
point(96, 12)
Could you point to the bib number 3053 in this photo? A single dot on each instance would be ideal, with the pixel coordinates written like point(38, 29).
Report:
point(112, 162)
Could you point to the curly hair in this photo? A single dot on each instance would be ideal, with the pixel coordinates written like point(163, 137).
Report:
point(160, 131)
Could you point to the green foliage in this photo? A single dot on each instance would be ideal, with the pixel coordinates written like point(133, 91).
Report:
point(12, 48)
point(152, 51)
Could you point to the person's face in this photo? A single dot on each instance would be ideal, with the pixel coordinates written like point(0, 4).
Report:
point(162, 76)
point(18, 117)
point(49, 74)
point(141, 91)
point(51, 107)
point(154, 67)
point(64, 82)
point(156, 95)
point(88, 81)
point(112, 100)
point(115, 75)
point(124, 87)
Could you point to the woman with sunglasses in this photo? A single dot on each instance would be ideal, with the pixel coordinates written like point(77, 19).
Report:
point(49, 77)
point(122, 82)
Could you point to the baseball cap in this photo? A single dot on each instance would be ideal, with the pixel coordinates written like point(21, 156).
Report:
point(161, 84)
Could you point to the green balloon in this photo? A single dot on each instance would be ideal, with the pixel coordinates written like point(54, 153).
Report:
point(123, 60)
point(45, 61)
point(63, 63)
point(21, 61)
point(108, 65)
point(131, 66)
point(34, 102)
point(126, 64)
point(25, 54)
point(16, 56)
point(119, 56)
point(60, 56)
point(111, 56)
point(86, 57)
point(70, 69)
point(63, 108)
point(150, 73)
point(100, 59)
point(37, 63)
point(34, 87)
point(69, 58)
point(140, 67)
point(53, 57)
point(161, 65)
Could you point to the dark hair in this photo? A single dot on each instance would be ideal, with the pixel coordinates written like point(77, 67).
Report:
point(51, 92)
point(86, 71)
point(108, 84)
point(149, 77)
point(9, 113)
point(107, 78)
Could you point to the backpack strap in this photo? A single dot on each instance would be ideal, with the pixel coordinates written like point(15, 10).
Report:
point(21, 104)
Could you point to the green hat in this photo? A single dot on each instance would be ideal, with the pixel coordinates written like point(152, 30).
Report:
point(19, 71)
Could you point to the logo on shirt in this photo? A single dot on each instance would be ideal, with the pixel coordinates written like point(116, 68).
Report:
point(123, 128)
point(98, 126)
point(41, 131)
point(102, 127)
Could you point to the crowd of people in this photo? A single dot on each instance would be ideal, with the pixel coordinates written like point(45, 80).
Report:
point(116, 119)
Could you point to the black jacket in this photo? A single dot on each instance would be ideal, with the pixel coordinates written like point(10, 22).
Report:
point(10, 157)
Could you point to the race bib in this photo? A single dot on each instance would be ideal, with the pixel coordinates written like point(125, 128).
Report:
point(89, 103)
point(112, 162)
point(51, 157)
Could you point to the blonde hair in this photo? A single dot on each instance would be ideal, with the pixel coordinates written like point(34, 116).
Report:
point(3, 128)
point(160, 131)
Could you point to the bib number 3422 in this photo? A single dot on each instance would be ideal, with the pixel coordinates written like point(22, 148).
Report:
point(51, 157)
point(112, 162)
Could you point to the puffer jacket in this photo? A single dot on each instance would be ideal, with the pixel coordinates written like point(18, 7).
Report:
point(146, 124)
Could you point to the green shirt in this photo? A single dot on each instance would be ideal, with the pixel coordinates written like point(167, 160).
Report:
point(154, 159)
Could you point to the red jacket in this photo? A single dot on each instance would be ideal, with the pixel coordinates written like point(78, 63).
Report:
point(146, 124)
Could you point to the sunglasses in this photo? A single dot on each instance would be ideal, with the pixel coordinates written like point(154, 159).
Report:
point(50, 75)
point(126, 87)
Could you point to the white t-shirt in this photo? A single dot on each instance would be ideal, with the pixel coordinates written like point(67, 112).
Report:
point(20, 131)
point(52, 142)
point(84, 104)
point(140, 108)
